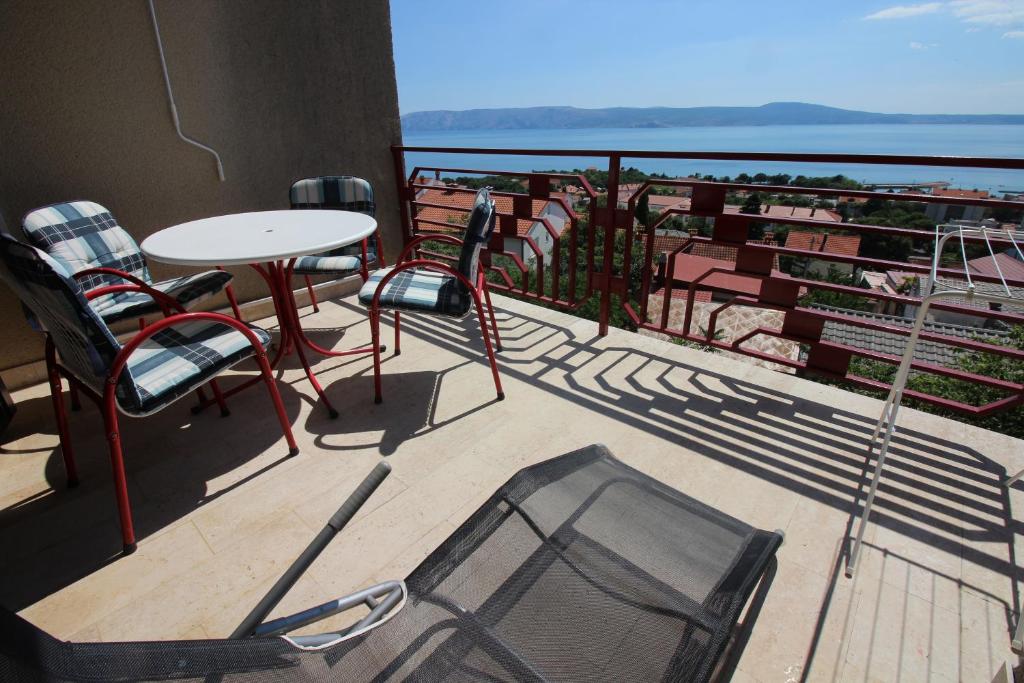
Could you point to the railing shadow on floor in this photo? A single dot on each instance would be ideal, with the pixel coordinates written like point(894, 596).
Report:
point(813, 449)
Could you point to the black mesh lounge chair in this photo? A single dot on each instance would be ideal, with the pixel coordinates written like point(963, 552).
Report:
point(579, 568)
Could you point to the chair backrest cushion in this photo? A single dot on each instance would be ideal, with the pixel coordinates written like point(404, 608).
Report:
point(81, 235)
point(86, 345)
point(478, 234)
point(343, 192)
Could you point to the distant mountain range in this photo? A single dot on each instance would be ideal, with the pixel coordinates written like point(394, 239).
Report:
point(773, 114)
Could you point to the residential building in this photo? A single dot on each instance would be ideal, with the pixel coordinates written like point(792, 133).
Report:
point(893, 344)
point(825, 243)
point(436, 218)
point(943, 213)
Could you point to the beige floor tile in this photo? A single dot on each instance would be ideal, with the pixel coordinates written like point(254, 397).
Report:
point(120, 583)
point(891, 636)
point(929, 600)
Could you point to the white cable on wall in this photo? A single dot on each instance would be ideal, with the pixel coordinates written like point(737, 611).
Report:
point(170, 97)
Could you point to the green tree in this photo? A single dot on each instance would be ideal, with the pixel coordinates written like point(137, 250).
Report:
point(1010, 422)
point(825, 297)
point(752, 204)
point(643, 209)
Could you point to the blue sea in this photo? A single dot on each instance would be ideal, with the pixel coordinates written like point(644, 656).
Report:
point(929, 140)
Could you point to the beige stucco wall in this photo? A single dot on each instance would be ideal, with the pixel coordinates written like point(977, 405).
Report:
point(281, 89)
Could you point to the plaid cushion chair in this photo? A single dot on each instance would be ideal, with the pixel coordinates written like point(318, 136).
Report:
point(343, 193)
point(88, 242)
point(426, 286)
point(160, 364)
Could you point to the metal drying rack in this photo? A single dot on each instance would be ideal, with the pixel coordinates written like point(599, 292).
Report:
point(937, 290)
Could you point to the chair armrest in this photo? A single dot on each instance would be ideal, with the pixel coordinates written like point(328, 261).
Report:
point(121, 360)
point(439, 237)
point(166, 302)
point(425, 264)
point(110, 271)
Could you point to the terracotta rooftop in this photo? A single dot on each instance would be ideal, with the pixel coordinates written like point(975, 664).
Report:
point(847, 245)
point(1011, 268)
point(668, 243)
point(786, 211)
point(462, 203)
point(961, 194)
point(667, 201)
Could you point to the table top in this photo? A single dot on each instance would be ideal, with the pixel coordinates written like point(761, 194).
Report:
point(257, 237)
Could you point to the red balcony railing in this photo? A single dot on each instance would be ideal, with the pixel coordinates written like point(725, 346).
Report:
point(603, 241)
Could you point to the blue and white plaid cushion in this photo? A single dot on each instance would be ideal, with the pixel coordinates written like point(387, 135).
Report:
point(81, 235)
point(419, 290)
point(334, 263)
point(58, 307)
point(165, 367)
point(342, 192)
point(188, 290)
point(178, 359)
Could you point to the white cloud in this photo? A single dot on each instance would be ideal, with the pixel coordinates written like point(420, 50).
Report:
point(904, 11)
point(1014, 34)
point(975, 13)
point(914, 45)
point(989, 12)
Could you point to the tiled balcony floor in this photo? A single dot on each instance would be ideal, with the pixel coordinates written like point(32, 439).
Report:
point(220, 511)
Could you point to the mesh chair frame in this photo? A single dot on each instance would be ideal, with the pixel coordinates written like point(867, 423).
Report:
point(454, 618)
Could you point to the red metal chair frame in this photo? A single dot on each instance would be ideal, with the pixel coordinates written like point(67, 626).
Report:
point(478, 291)
point(363, 271)
point(107, 403)
point(76, 404)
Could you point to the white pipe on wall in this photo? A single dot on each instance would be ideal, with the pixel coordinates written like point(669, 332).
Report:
point(170, 97)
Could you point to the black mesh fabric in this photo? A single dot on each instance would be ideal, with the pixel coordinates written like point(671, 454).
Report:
point(579, 568)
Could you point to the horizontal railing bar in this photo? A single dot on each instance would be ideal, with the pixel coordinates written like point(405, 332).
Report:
point(924, 335)
point(517, 174)
point(604, 279)
point(818, 158)
point(856, 260)
point(835, 192)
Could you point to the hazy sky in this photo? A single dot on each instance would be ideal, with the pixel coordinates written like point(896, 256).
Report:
point(958, 57)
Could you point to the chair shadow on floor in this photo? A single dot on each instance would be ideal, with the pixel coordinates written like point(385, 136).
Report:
point(53, 537)
point(409, 411)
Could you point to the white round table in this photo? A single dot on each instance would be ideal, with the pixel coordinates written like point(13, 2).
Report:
point(269, 242)
point(257, 237)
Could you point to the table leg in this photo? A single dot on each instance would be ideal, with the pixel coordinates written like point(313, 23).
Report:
point(285, 336)
point(300, 334)
point(289, 321)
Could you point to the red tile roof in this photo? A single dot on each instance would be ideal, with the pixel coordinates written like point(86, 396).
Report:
point(464, 201)
point(962, 194)
point(667, 201)
point(786, 211)
point(847, 245)
point(689, 267)
point(666, 244)
point(1011, 268)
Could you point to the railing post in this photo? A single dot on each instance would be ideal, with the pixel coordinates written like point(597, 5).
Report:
point(402, 191)
point(607, 258)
